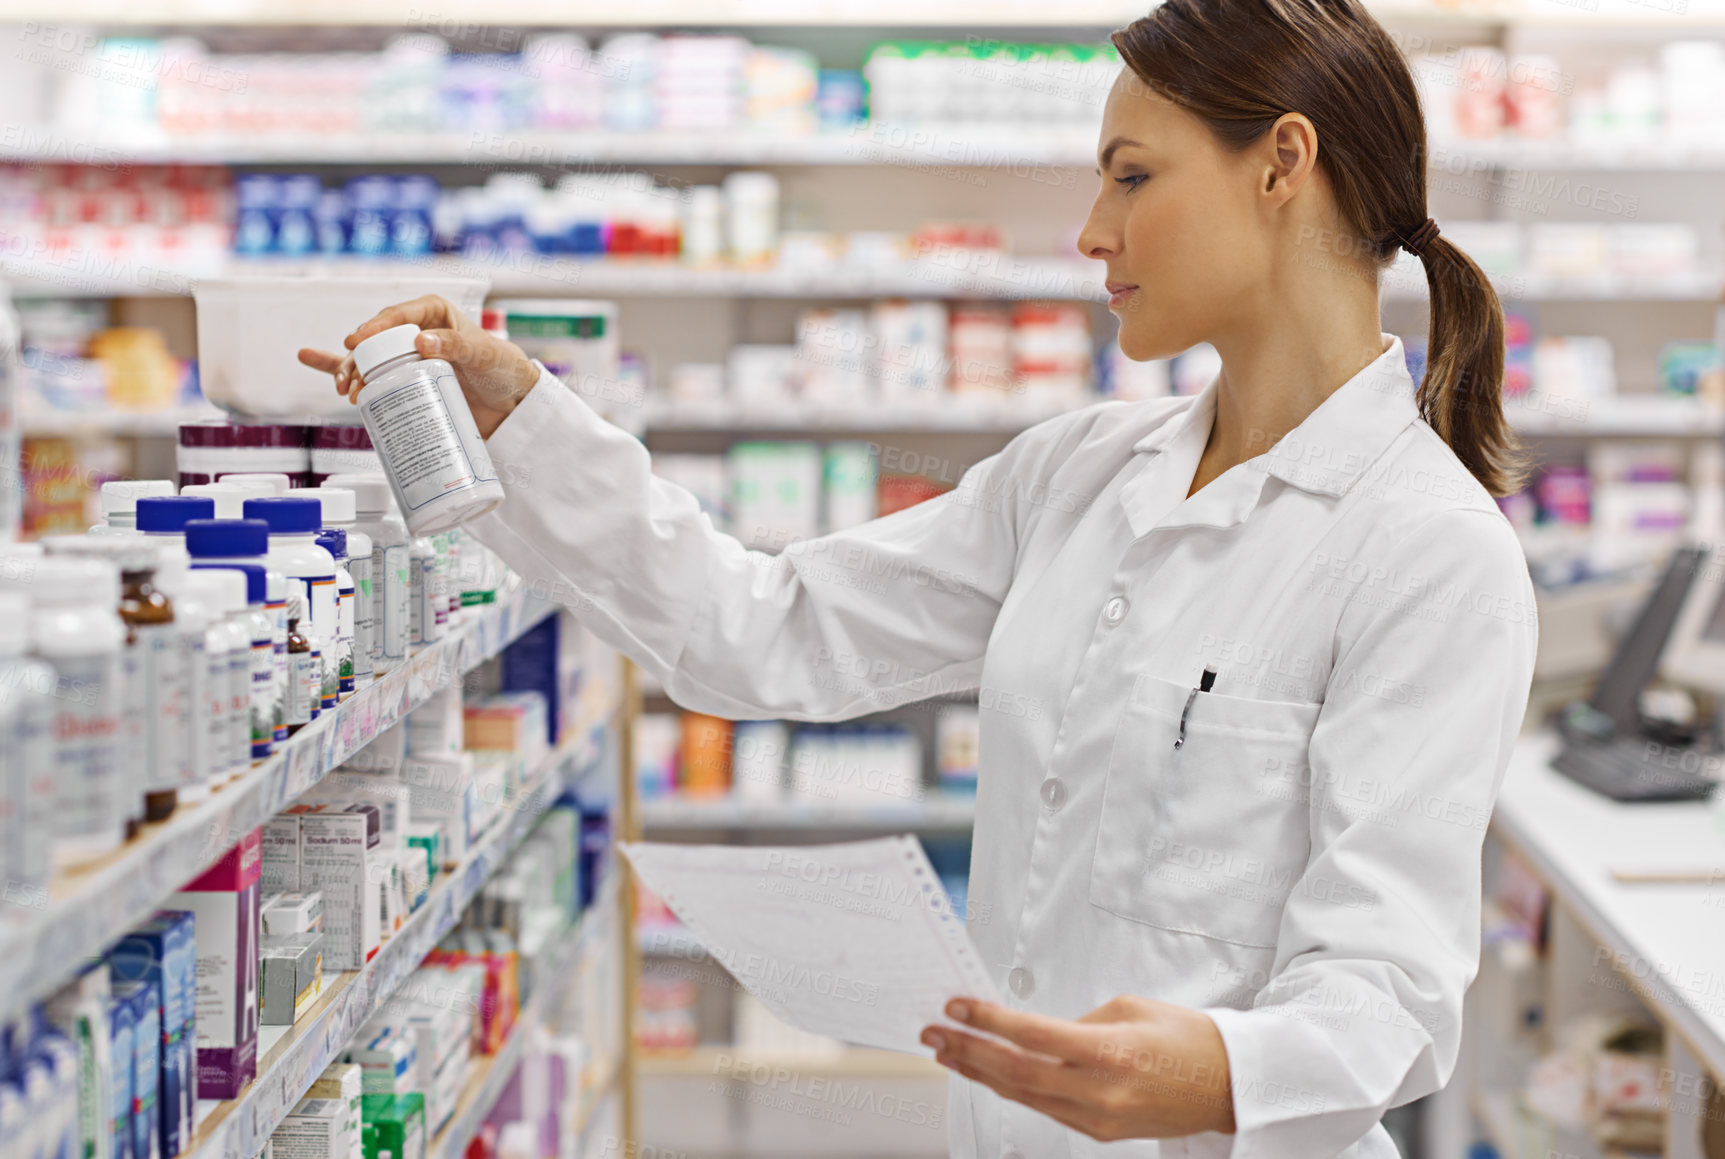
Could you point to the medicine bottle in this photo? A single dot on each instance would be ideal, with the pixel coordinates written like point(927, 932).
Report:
point(264, 710)
point(427, 611)
point(420, 423)
point(305, 681)
point(77, 632)
point(377, 520)
point(206, 647)
point(230, 680)
point(163, 518)
point(334, 541)
point(229, 498)
point(340, 511)
point(120, 499)
point(246, 541)
point(294, 523)
point(26, 753)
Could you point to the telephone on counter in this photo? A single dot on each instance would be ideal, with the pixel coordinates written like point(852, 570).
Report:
point(1634, 742)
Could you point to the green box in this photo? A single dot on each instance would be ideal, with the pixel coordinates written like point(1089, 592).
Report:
point(397, 1126)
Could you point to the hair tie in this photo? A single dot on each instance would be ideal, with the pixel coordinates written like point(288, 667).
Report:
point(1415, 241)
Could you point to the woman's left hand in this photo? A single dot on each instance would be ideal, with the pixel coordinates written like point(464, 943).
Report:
point(1130, 1069)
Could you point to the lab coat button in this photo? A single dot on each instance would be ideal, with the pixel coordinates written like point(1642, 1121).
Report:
point(1053, 794)
point(1022, 981)
point(1115, 609)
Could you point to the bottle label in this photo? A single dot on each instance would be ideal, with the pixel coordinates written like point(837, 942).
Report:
point(240, 708)
point(427, 438)
point(199, 764)
point(218, 723)
point(164, 679)
point(131, 740)
point(266, 708)
point(86, 725)
point(304, 684)
point(364, 617)
point(277, 612)
point(396, 615)
point(344, 639)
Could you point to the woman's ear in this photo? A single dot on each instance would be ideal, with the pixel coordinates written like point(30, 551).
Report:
point(1293, 154)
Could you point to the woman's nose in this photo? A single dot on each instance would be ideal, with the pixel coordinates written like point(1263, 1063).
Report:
point(1094, 241)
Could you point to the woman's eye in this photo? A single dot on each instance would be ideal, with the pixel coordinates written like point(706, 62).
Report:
point(1130, 182)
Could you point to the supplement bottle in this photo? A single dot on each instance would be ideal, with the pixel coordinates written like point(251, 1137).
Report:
point(204, 647)
point(419, 422)
point(264, 710)
point(163, 518)
point(276, 484)
point(359, 606)
point(449, 569)
point(334, 541)
point(26, 754)
point(226, 591)
point(389, 565)
point(305, 681)
point(229, 498)
point(120, 499)
point(78, 634)
point(294, 524)
point(246, 541)
point(427, 611)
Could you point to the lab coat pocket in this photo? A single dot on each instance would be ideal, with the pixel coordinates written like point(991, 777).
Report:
point(1208, 838)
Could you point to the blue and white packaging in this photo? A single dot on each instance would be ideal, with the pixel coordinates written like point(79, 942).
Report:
point(163, 952)
point(145, 1119)
point(122, 1024)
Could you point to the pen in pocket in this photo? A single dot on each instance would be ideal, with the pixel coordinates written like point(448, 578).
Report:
point(1205, 683)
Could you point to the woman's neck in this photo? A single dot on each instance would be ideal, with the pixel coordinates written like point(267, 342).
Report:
point(1284, 359)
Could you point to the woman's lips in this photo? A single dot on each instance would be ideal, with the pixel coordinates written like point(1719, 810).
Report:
point(1118, 293)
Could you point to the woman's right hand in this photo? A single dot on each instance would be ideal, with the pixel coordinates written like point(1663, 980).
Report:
point(494, 373)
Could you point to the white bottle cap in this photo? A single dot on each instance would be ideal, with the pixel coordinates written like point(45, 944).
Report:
point(60, 582)
point(126, 552)
point(221, 588)
point(384, 346)
point(254, 479)
point(123, 494)
point(371, 495)
point(229, 498)
point(339, 504)
point(14, 623)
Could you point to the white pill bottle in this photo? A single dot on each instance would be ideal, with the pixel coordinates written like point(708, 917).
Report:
point(423, 431)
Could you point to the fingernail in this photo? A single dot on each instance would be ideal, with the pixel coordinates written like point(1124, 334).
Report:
point(432, 343)
point(958, 1011)
point(934, 1038)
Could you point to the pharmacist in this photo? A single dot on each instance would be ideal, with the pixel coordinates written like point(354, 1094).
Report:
point(1250, 663)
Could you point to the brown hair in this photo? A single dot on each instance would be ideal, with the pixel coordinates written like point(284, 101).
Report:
point(1239, 65)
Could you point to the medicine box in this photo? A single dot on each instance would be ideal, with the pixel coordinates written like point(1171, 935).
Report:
point(444, 1091)
point(316, 1129)
point(389, 1061)
point(163, 951)
point(335, 859)
point(122, 1026)
point(146, 1063)
point(442, 792)
point(398, 1125)
point(291, 976)
point(513, 721)
point(434, 728)
point(224, 905)
point(381, 790)
point(281, 853)
point(298, 912)
point(344, 1081)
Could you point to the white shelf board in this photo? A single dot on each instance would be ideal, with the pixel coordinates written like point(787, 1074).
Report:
point(934, 813)
point(114, 423)
point(1405, 284)
point(89, 910)
point(1624, 417)
point(1658, 939)
point(239, 1128)
point(1459, 157)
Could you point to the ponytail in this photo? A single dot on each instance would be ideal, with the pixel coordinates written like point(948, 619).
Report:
point(1240, 65)
point(1462, 394)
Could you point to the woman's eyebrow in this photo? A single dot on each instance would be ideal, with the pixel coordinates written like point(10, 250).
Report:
point(1107, 153)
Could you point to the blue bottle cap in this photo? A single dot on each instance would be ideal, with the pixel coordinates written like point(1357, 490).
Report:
point(221, 538)
point(286, 514)
point(172, 512)
point(334, 541)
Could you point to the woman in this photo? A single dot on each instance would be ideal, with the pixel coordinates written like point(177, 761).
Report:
point(1250, 663)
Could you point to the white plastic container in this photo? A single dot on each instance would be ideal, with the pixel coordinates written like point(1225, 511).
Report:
point(120, 499)
point(353, 578)
point(263, 707)
point(334, 541)
point(163, 519)
point(231, 678)
point(26, 753)
point(77, 632)
point(276, 481)
point(752, 217)
point(250, 331)
point(206, 680)
point(428, 609)
point(390, 563)
point(305, 679)
point(245, 542)
point(419, 422)
point(230, 500)
point(294, 524)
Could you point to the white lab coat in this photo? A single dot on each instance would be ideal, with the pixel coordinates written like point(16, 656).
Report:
point(1305, 868)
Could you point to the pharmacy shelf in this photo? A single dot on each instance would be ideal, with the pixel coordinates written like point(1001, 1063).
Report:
point(936, 813)
point(958, 15)
point(1622, 417)
point(1461, 157)
point(113, 423)
point(710, 1062)
point(994, 413)
point(89, 910)
point(485, 1085)
point(954, 274)
point(1011, 150)
point(289, 1065)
